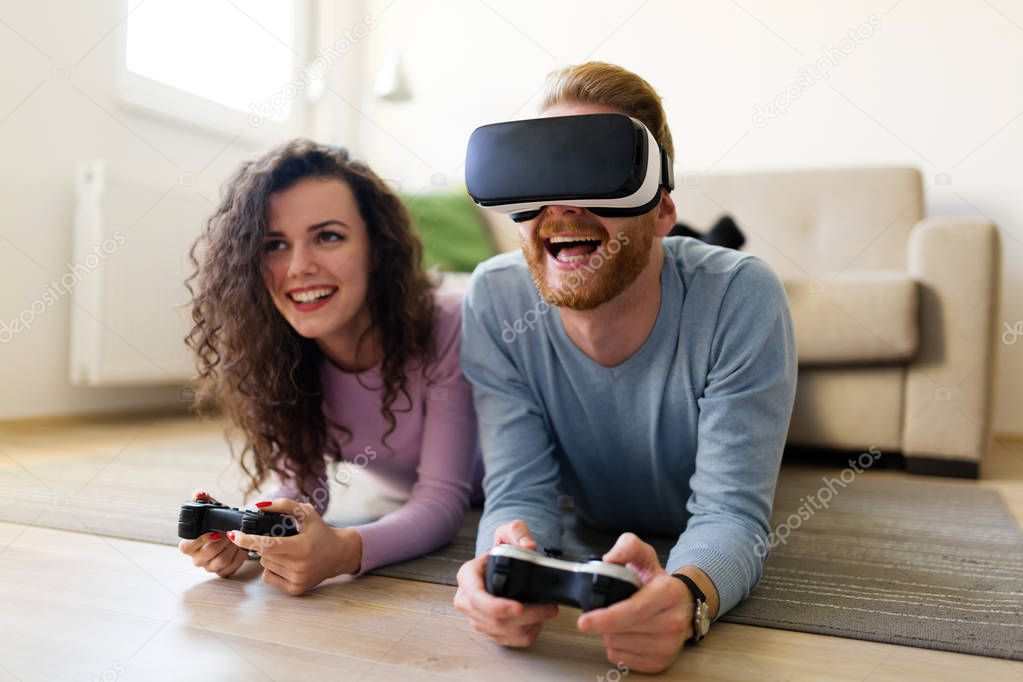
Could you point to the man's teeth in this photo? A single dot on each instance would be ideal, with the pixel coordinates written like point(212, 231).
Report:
point(561, 239)
point(571, 259)
point(311, 295)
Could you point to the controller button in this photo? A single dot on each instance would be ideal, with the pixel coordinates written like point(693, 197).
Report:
point(499, 581)
point(502, 561)
point(601, 582)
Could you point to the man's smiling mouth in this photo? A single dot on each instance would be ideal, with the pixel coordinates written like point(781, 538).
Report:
point(571, 249)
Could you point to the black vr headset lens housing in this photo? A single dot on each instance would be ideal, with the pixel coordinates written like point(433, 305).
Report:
point(608, 163)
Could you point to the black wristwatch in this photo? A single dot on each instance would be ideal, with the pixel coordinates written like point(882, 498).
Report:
point(701, 611)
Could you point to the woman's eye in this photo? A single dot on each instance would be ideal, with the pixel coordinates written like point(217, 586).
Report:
point(328, 236)
point(273, 245)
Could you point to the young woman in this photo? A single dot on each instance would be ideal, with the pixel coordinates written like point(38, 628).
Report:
point(318, 335)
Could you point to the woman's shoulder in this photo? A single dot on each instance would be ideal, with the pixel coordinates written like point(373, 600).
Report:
point(446, 336)
point(447, 317)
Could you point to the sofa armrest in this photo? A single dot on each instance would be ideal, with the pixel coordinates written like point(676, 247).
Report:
point(947, 412)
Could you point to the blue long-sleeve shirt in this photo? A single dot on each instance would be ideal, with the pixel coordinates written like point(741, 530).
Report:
point(684, 437)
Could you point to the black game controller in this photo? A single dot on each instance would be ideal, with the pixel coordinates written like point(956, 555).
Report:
point(199, 518)
point(530, 577)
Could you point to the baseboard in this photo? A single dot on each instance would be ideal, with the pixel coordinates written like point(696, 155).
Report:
point(1008, 437)
point(806, 455)
point(924, 466)
point(936, 466)
point(91, 418)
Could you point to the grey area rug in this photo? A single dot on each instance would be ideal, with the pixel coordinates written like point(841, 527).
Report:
point(908, 561)
point(936, 565)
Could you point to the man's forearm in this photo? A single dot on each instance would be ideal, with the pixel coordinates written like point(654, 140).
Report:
point(543, 526)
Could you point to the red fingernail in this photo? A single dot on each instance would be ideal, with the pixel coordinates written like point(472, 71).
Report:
point(263, 504)
point(231, 535)
point(214, 536)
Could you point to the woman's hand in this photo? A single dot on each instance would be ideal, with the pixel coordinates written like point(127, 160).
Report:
point(298, 563)
point(212, 551)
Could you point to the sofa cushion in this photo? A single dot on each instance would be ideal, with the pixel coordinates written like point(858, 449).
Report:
point(812, 222)
point(851, 408)
point(858, 317)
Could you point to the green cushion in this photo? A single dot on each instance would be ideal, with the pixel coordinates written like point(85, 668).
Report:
point(455, 236)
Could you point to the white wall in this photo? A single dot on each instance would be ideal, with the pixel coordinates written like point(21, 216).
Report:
point(58, 106)
point(935, 85)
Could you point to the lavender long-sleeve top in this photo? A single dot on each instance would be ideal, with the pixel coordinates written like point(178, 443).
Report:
point(433, 456)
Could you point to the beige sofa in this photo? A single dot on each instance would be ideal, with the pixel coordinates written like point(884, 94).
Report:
point(894, 313)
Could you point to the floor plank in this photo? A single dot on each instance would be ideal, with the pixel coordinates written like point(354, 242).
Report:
point(76, 605)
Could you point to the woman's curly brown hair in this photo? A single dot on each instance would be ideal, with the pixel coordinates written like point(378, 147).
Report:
point(252, 365)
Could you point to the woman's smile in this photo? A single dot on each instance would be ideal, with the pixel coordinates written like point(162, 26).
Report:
point(309, 298)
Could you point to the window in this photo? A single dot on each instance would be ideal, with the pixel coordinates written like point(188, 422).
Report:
point(222, 63)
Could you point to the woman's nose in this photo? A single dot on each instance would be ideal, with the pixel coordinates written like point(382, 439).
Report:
point(302, 262)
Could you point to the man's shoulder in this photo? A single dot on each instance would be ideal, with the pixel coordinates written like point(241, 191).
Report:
point(508, 264)
point(702, 265)
point(693, 257)
point(505, 276)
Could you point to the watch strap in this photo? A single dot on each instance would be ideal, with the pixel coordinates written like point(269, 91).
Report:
point(701, 610)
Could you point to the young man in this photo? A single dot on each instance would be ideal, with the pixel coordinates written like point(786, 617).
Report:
point(654, 390)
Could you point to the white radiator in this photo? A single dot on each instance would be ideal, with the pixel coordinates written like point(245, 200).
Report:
point(129, 263)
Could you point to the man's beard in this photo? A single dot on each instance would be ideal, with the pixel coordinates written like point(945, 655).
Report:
point(621, 258)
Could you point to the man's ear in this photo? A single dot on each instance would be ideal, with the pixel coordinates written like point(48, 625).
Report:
point(666, 215)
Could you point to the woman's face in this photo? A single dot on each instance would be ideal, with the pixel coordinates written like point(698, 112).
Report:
point(316, 260)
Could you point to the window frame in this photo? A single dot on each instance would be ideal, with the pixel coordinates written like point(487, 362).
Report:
point(149, 97)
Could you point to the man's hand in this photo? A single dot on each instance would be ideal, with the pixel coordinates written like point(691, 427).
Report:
point(298, 563)
point(646, 631)
point(506, 621)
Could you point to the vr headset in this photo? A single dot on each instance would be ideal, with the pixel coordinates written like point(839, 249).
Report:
point(607, 163)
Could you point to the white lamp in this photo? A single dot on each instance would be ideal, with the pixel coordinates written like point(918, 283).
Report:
point(392, 83)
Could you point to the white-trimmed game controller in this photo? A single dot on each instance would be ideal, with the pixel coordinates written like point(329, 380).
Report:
point(530, 577)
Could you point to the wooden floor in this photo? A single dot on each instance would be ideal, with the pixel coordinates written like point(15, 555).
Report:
point(75, 606)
